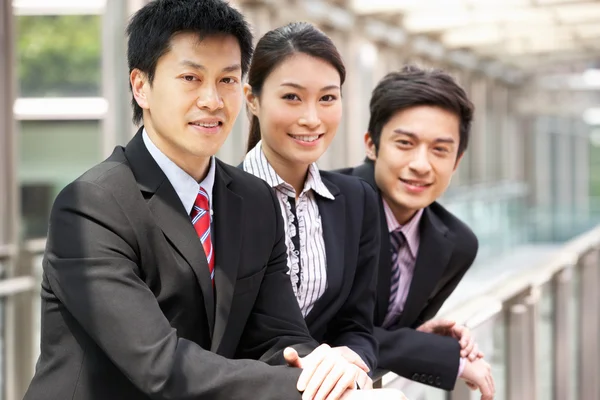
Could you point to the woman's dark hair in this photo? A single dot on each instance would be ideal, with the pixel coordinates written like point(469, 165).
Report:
point(151, 28)
point(412, 87)
point(279, 44)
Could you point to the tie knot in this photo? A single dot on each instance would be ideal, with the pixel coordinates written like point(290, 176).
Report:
point(202, 199)
point(397, 239)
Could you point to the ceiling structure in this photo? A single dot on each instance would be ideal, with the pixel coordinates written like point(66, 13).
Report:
point(531, 35)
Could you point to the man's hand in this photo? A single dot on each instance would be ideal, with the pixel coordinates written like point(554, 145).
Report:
point(445, 327)
point(363, 380)
point(326, 373)
point(478, 375)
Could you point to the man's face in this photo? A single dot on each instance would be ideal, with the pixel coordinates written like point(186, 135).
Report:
point(416, 158)
point(194, 99)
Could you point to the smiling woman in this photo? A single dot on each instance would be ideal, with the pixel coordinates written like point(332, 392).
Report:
point(294, 96)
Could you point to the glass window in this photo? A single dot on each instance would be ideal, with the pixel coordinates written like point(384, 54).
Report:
point(52, 154)
point(59, 55)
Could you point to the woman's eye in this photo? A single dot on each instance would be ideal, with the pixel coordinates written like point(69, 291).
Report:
point(290, 96)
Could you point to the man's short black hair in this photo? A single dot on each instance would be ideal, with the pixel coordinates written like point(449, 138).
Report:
point(152, 27)
point(412, 87)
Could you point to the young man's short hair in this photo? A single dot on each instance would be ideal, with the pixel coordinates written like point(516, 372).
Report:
point(412, 87)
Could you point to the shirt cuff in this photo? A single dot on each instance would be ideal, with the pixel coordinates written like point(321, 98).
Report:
point(461, 367)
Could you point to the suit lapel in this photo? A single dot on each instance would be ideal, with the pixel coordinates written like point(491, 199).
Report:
point(228, 219)
point(171, 216)
point(366, 171)
point(433, 256)
point(333, 221)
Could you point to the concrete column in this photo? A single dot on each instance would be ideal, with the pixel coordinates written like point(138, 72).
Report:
point(117, 125)
point(478, 155)
point(581, 173)
point(8, 186)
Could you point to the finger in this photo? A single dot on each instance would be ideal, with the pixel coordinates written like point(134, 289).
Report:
point(462, 334)
point(292, 358)
point(355, 359)
point(363, 380)
point(491, 382)
point(310, 363)
point(486, 390)
point(361, 364)
point(324, 377)
point(347, 381)
point(473, 353)
point(467, 348)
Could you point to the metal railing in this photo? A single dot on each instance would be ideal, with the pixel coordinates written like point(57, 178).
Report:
point(549, 319)
point(564, 290)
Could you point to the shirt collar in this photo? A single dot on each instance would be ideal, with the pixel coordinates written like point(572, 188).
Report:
point(410, 229)
point(257, 164)
point(185, 186)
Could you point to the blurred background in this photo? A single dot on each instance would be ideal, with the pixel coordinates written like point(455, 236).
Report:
point(529, 185)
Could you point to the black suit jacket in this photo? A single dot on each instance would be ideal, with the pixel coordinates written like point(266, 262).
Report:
point(128, 311)
point(343, 316)
point(447, 249)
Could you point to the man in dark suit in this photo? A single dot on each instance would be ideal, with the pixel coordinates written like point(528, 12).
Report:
point(165, 269)
point(418, 132)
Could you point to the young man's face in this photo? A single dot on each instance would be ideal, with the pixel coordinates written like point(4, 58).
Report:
point(416, 158)
point(194, 99)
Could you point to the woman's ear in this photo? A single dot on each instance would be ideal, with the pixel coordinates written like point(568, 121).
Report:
point(251, 99)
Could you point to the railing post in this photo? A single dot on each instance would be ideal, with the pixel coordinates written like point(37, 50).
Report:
point(563, 330)
point(521, 370)
point(589, 349)
point(24, 327)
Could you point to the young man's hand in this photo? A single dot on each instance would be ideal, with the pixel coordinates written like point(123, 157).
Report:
point(445, 327)
point(326, 374)
point(478, 375)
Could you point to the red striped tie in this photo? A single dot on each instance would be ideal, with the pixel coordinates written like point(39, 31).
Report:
point(201, 220)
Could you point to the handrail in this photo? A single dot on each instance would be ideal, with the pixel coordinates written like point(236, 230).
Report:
point(9, 287)
point(533, 277)
point(480, 308)
point(7, 251)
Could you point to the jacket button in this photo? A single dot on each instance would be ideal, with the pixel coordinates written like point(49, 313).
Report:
point(416, 377)
point(423, 378)
point(438, 381)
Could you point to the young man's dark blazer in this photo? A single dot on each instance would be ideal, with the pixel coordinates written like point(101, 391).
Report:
point(128, 310)
point(343, 316)
point(446, 251)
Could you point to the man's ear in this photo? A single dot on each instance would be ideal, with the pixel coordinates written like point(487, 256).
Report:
point(251, 99)
point(370, 148)
point(139, 86)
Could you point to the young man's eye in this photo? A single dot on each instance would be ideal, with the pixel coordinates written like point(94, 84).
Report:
point(228, 80)
point(189, 78)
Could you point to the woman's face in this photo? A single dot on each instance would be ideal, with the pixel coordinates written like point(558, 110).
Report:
point(299, 109)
